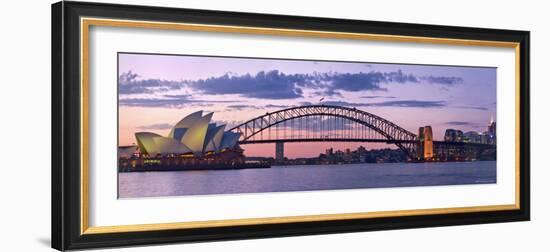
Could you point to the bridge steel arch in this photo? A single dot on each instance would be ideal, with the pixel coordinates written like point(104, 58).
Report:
point(395, 134)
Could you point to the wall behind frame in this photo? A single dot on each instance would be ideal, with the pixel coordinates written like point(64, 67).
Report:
point(25, 111)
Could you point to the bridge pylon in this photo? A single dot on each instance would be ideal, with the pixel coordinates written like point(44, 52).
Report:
point(280, 151)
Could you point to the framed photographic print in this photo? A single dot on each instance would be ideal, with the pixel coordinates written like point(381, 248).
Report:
point(180, 125)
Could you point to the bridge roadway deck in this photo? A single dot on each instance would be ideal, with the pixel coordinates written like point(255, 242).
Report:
point(357, 140)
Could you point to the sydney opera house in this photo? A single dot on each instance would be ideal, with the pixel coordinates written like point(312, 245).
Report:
point(193, 136)
point(193, 143)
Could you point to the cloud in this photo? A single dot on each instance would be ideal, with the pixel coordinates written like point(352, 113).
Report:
point(128, 83)
point(400, 77)
point(228, 124)
point(459, 123)
point(246, 106)
point(188, 97)
point(127, 77)
point(263, 85)
point(182, 96)
point(399, 103)
point(328, 92)
point(168, 101)
point(355, 81)
point(277, 85)
point(410, 103)
point(372, 81)
point(443, 80)
point(332, 83)
point(152, 102)
point(472, 107)
point(276, 106)
point(158, 126)
point(377, 96)
point(241, 107)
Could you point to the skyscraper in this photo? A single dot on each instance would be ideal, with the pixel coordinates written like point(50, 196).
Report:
point(453, 135)
point(425, 147)
point(420, 149)
point(492, 132)
point(428, 143)
point(450, 135)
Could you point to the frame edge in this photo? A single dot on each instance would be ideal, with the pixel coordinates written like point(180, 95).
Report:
point(56, 124)
point(525, 125)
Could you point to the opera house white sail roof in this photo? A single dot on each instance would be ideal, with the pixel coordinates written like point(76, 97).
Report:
point(193, 134)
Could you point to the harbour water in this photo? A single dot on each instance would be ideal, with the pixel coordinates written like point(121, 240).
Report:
point(304, 178)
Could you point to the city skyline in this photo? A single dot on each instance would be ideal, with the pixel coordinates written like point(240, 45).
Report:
point(155, 91)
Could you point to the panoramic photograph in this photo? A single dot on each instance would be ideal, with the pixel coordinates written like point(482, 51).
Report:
point(203, 125)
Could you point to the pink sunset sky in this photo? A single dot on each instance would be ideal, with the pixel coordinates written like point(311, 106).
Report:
point(156, 91)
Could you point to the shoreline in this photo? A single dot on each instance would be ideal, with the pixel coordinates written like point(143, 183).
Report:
point(154, 168)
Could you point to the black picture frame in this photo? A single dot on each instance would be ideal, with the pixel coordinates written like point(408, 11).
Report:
point(66, 124)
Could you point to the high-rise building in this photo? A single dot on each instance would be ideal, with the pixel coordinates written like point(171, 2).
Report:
point(459, 136)
point(484, 138)
point(472, 137)
point(450, 135)
point(453, 135)
point(420, 150)
point(492, 132)
point(425, 147)
point(428, 142)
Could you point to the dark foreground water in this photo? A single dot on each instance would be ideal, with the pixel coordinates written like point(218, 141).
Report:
point(304, 178)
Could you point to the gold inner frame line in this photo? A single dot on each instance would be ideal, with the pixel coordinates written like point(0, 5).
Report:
point(85, 24)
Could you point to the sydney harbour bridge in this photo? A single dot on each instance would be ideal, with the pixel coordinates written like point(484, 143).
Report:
point(326, 123)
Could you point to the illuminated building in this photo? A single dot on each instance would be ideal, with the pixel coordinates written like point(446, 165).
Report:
point(453, 135)
point(487, 137)
point(428, 143)
point(127, 151)
point(484, 138)
point(492, 132)
point(420, 149)
point(193, 135)
point(450, 135)
point(425, 147)
point(472, 137)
